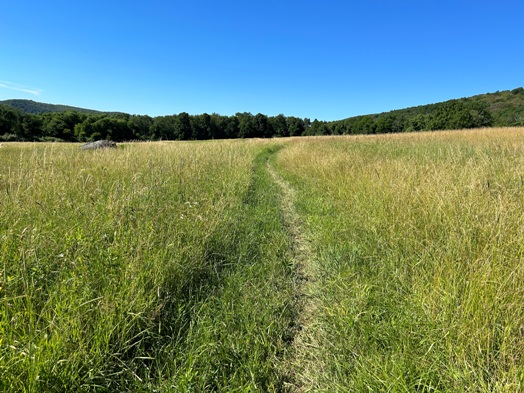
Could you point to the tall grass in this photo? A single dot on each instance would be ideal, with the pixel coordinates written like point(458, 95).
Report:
point(169, 266)
point(419, 243)
point(139, 269)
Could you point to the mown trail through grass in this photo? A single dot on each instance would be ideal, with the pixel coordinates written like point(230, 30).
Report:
point(154, 267)
point(299, 361)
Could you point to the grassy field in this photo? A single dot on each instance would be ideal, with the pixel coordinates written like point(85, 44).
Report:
point(374, 263)
point(151, 267)
point(418, 242)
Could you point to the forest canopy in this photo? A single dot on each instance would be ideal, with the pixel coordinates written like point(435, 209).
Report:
point(23, 120)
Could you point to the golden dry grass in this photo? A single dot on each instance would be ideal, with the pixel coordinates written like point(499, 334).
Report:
point(420, 240)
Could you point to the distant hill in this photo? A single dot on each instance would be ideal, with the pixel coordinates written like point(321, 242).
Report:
point(30, 106)
point(26, 120)
point(502, 108)
point(506, 107)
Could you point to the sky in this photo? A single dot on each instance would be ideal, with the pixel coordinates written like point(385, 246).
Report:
point(322, 59)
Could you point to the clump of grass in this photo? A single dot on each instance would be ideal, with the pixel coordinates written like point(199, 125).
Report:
point(419, 240)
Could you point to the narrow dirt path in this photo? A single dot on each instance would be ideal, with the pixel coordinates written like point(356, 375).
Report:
point(302, 365)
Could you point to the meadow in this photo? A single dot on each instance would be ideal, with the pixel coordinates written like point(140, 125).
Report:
point(367, 264)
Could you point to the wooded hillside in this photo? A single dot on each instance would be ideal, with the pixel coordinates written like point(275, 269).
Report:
point(25, 120)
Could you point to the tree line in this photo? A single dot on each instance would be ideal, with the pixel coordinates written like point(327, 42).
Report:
point(82, 127)
point(494, 109)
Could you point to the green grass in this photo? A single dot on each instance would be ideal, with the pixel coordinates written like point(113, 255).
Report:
point(152, 267)
point(172, 267)
point(420, 244)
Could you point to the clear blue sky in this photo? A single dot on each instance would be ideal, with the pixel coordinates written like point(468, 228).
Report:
point(325, 59)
